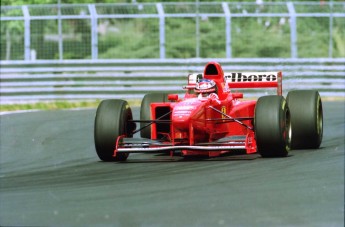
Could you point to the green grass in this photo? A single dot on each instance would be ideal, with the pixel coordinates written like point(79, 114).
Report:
point(49, 105)
point(57, 105)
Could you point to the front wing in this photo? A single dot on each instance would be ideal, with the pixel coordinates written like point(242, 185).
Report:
point(225, 145)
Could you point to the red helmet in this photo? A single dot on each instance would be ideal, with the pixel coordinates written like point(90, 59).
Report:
point(205, 86)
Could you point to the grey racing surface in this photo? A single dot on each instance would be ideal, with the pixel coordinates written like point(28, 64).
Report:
point(51, 176)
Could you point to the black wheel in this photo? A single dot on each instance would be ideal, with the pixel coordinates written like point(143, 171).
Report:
point(145, 111)
point(306, 118)
point(111, 121)
point(272, 126)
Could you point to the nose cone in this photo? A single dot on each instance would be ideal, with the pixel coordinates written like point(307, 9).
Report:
point(181, 116)
point(184, 112)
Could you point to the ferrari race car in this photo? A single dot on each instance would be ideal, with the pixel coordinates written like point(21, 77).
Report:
point(211, 120)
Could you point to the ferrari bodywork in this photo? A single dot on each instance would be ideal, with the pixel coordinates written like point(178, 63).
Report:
point(205, 126)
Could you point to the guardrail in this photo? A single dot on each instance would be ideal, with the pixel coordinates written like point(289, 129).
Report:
point(24, 82)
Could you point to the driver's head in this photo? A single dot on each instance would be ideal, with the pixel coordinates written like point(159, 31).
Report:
point(205, 87)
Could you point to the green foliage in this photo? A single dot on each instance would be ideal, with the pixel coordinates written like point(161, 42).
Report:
point(212, 38)
point(135, 38)
point(31, 2)
point(48, 105)
point(313, 37)
point(180, 38)
point(339, 44)
point(267, 38)
point(139, 38)
point(339, 37)
point(57, 105)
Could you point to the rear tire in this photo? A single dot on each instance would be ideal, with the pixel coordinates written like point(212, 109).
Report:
point(111, 121)
point(272, 126)
point(145, 111)
point(306, 118)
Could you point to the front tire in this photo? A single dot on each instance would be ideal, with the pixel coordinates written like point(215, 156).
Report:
point(306, 118)
point(111, 121)
point(272, 126)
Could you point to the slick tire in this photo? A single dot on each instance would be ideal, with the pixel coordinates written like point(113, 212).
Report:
point(306, 118)
point(272, 126)
point(145, 111)
point(111, 121)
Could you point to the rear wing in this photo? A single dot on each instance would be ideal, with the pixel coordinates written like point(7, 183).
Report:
point(255, 80)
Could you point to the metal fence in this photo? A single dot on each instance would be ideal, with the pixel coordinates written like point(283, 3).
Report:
point(127, 79)
point(173, 30)
point(98, 51)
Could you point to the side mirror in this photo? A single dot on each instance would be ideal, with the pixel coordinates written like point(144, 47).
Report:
point(173, 97)
point(237, 95)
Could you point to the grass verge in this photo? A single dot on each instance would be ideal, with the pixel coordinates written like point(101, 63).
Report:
point(57, 105)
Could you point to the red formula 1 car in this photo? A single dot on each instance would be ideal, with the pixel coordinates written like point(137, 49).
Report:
point(211, 120)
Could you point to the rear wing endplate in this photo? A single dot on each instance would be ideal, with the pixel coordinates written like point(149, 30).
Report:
point(255, 80)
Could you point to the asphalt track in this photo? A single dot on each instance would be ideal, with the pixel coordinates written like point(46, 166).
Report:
point(50, 176)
